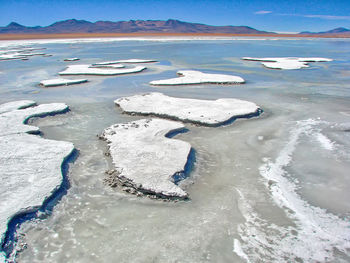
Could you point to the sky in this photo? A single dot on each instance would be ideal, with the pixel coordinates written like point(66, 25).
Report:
point(269, 15)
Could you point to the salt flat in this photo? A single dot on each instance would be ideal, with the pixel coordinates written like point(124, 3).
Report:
point(203, 112)
point(145, 159)
point(30, 165)
point(191, 77)
point(88, 70)
point(287, 62)
point(61, 82)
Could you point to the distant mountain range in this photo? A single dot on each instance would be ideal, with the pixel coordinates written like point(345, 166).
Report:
point(336, 31)
point(132, 26)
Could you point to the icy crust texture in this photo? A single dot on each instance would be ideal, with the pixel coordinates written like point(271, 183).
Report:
point(188, 77)
point(61, 82)
point(13, 122)
point(316, 235)
point(88, 70)
point(19, 53)
point(15, 105)
point(145, 159)
point(287, 62)
point(30, 165)
point(204, 112)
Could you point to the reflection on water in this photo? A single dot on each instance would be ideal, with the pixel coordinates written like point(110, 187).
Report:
point(256, 183)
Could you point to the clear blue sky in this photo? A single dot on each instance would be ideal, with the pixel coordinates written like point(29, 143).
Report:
point(272, 15)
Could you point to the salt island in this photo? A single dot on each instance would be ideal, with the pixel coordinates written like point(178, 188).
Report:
point(88, 70)
point(286, 62)
point(131, 61)
point(71, 59)
point(145, 160)
point(31, 166)
point(191, 77)
point(61, 82)
point(202, 112)
point(22, 53)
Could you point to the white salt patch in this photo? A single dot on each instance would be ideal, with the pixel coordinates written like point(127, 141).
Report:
point(12, 122)
point(14, 105)
point(196, 77)
point(205, 112)
point(18, 53)
point(287, 62)
point(315, 59)
point(30, 165)
point(71, 59)
point(238, 250)
point(145, 158)
point(318, 233)
point(60, 82)
point(87, 70)
point(325, 142)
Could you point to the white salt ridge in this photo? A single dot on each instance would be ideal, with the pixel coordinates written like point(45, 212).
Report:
point(187, 77)
point(318, 233)
point(61, 82)
point(71, 59)
point(325, 142)
point(145, 158)
point(88, 70)
point(237, 248)
point(30, 165)
point(15, 105)
point(287, 62)
point(205, 112)
point(276, 59)
point(19, 53)
point(12, 122)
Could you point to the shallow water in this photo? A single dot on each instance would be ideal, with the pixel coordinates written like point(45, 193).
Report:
point(267, 189)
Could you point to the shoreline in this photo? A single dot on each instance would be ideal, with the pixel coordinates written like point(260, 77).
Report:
point(150, 35)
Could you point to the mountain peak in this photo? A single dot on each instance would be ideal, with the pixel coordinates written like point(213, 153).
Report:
point(71, 22)
point(15, 25)
point(337, 30)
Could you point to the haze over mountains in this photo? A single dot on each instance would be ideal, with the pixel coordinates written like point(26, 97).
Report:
point(132, 26)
